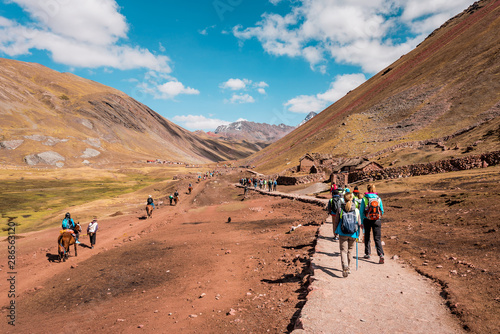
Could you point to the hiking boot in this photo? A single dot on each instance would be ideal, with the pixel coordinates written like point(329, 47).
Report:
point(381, 261)
point(367, 256)
point(345, 273)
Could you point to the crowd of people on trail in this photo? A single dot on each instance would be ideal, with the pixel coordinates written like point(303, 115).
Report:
point(262, 184)
point(353, 214)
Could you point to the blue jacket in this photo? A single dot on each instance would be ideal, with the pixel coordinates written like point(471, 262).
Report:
point(364, 203)
point(338, 230)
point(68, 223)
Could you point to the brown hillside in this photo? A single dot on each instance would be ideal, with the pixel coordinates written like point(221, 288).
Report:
point(53, 118)
point(447, 90)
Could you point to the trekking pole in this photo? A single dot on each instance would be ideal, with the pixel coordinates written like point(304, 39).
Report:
point(357, 251)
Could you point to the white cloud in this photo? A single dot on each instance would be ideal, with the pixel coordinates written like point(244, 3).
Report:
point(86, 33)
point(204, 32)
point(261, 91)
point(198, 122)
point(356, 32)
point(240, 98)
point(235, 84)
point(338, 88)
point(171, 89)
point(305, 104)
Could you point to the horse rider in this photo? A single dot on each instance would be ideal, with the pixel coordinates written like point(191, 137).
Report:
point(69, 224)
point(151, 201)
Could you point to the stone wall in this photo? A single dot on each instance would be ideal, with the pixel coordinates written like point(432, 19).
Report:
point(451, 165)
point(293, 180)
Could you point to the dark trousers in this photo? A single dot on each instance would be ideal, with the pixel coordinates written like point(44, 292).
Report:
point(376, 227)
point(92, 237)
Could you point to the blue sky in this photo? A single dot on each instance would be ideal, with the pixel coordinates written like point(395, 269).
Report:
point(206, 63)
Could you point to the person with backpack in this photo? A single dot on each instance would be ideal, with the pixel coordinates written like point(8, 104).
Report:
point(347, 225)
point(371, 210)
point(151, 201)
point(357, 197)
point(333, 206)
point(69, 224)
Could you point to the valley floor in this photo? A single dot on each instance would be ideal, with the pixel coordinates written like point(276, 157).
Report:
point(189, 270)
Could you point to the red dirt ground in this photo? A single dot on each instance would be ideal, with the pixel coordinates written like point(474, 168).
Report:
point(182, 271)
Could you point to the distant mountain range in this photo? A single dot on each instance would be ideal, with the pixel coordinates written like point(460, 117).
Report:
point(262, 133)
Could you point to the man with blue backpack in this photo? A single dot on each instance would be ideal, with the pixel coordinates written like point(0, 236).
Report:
point(347, 225)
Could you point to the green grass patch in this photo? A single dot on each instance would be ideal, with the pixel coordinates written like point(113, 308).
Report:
point(33, 201)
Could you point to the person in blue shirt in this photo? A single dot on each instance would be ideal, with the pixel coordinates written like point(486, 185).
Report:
point(371, 210)
point(347, 239)
point(69, 223)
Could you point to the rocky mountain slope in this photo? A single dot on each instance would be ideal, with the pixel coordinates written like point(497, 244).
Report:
point(254, 132)
point(261, 133)
point(53, 118)
point(439, 101)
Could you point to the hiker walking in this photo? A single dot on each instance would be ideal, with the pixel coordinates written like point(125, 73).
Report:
point(92, 232)
point(371, 213)
point(347, 225)
point(332, 207)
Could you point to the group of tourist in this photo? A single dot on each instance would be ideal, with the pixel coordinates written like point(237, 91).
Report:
point(263, 184)
point(352, 213)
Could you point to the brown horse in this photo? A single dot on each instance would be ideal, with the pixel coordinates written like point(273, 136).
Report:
point(190, 189)
point(149, 211)
point(176, 199)
point(65, 240)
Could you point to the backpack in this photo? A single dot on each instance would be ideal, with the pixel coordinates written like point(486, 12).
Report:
point(372, 209)
point(334, 205)
point(66, 224)
point(348, 221)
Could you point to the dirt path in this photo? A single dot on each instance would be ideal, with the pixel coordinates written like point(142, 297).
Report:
point(386, 298)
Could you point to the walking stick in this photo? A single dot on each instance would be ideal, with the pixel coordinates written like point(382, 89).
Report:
point(357, 251)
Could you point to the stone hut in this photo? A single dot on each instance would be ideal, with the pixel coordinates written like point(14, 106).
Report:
point(340, 174)
point(307, 164)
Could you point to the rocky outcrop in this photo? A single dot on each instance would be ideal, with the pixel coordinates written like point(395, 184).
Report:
point(11, 144)
point(90, 153)
point(48, 158)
